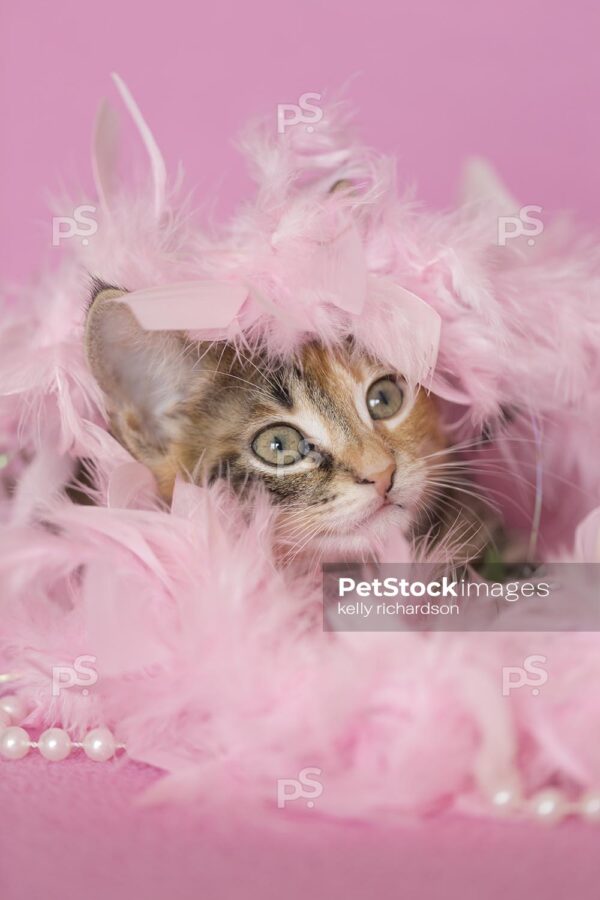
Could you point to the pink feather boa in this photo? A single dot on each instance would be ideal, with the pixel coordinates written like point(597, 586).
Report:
point(211, 664)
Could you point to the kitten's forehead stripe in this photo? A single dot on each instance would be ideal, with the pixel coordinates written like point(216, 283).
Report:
point(325, 391)
point(279, 386)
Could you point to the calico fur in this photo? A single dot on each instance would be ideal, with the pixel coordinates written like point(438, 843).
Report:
point(192, 409)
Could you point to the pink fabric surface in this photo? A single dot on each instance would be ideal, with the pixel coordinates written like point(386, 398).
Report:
point(71, 830)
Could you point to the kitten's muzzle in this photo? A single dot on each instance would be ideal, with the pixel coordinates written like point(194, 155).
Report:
point(382, 480)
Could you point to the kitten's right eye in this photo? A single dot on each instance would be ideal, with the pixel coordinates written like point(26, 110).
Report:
point(384, 398)
point(279, 445)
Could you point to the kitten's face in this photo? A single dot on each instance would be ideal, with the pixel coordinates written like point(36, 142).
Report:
point(341, 443)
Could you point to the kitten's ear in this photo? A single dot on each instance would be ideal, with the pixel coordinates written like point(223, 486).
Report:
point(147, 377)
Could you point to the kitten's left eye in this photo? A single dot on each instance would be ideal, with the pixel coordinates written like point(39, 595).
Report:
point(384, 398)
point(279, 445)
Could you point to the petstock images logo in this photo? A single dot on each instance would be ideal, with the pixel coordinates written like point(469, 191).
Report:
point(427, 597)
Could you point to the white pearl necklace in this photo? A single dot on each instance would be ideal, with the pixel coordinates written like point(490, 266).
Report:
point(549, 806)
point(54, 744)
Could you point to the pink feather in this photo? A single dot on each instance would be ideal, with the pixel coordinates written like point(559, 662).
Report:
point(212, 664)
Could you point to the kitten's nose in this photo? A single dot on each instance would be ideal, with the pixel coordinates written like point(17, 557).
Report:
point(382, 480)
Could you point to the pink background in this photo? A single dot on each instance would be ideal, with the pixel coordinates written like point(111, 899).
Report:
point(433, 80)
point(517, 81)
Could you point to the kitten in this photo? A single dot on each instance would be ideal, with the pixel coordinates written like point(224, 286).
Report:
point(346, 449)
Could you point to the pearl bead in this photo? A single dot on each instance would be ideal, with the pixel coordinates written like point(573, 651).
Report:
point(99, 744)
point(14, 707)
point(589, 806)
point(54, 744)
point(14, 743)
point(506, 798)
point(549, 806)
point(5, 720)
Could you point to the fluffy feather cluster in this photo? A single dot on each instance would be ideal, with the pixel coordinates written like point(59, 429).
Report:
point(213, 665)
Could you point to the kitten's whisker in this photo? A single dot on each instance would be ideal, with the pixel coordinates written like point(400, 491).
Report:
point(483, 467)
point(456, 539)
point(299, 526)
point(449, 484)
point(451, 503)
point(454, 448)
point(530, 464)
point(255, 388)
point(264, 372)
point(298, 547)
point(477, 442)
point(503, 497)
